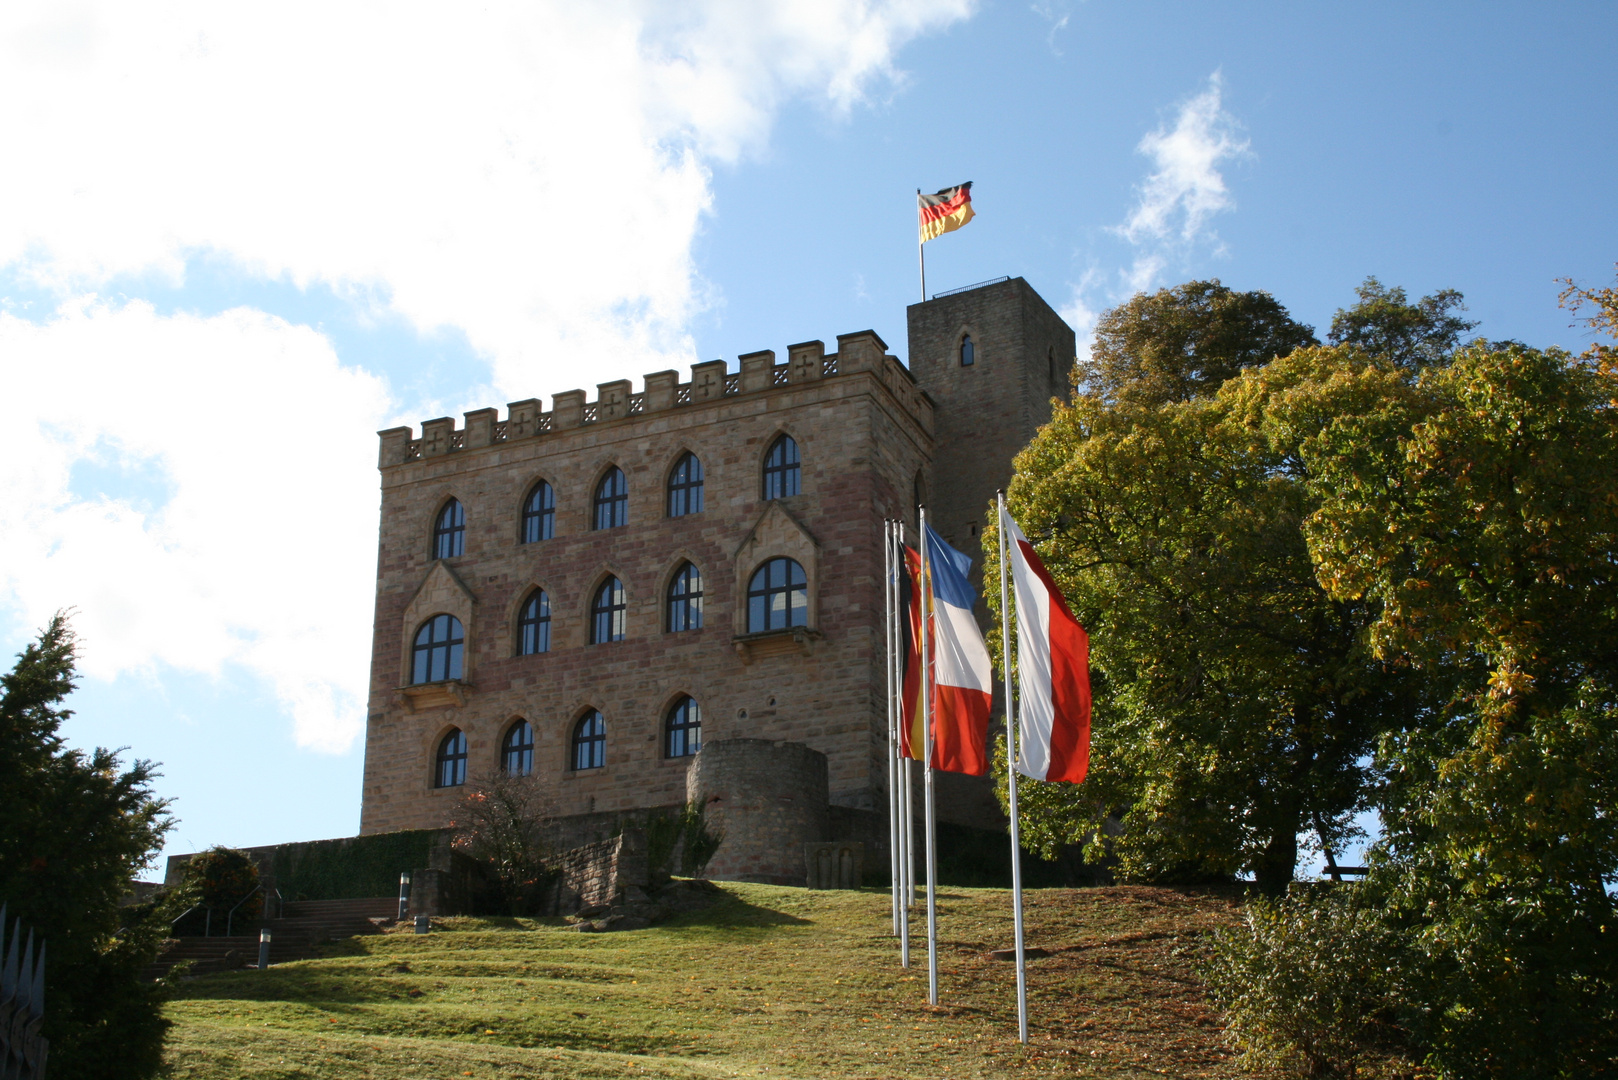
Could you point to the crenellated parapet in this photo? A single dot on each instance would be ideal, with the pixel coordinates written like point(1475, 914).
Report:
point(862, 352)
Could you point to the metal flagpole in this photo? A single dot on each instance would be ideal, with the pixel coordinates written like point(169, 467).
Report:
point(893, 799)
point(921, 251)
point(907, 820)
point(927, 766)
point(1011, 781)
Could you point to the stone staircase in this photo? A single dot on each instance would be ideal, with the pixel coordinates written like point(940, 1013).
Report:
point(303, 925)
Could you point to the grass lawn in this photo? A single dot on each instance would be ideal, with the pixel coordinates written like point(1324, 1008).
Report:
point(772, 982)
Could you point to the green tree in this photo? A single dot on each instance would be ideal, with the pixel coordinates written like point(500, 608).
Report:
point(1478, 515)
point(1409, 336)
point(1184, 342)
point(75, 828)
point(1236, 702)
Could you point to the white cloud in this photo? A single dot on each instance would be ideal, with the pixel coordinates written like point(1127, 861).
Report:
point(530, 174)
point(259, 557)
point(1170, 218)
point(1186, 187)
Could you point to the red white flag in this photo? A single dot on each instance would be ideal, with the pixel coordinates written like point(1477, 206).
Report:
point(1053, 660)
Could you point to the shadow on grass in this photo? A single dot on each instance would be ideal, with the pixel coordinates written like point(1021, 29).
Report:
point(729, 910)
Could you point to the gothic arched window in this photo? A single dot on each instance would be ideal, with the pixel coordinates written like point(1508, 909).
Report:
point(968, 353)
point(612, 500)
point(539, 514)
point(777, 597)
point(685, 600)
point(590, 741)
point(449, 531)
point(534, 624)
point(450, 768)
point(517, 751)
point(685, 486)
point(607, 612)
point(437, 652)
point(781, 472)
point(682, 729)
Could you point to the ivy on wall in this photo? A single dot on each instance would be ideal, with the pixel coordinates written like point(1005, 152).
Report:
point(356, 866)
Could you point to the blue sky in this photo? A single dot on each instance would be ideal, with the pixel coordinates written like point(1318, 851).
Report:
point(242, 241)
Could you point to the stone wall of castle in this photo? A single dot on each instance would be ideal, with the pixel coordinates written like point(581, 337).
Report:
point(768, 799)
point(863, 431)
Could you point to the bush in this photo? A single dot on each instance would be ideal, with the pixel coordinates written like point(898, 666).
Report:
point(220, 879)
point(501, 821)
point(680, 842)
point(1310, 986)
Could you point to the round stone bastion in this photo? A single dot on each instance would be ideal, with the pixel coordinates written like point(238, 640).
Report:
point(768, 798)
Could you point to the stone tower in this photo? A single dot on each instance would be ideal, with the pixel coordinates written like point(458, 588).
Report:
point(1021, 357)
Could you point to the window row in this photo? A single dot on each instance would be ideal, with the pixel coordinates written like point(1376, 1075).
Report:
point(587, 748)
point(782, 477)
point(777, 599)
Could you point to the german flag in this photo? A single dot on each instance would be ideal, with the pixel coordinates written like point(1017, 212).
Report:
point(944, 212)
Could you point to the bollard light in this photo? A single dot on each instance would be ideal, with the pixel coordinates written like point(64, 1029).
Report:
point(404, 895)
point(423, 923)
point(263, 949)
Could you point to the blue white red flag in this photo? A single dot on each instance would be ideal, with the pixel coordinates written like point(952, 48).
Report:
point(1053, 662)
point(962, 691)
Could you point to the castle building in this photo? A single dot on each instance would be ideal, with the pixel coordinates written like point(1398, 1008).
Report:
point(589, 593)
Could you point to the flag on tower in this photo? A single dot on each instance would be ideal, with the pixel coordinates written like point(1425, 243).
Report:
point(1053, 662)
point(961, 684)
point(944, 212)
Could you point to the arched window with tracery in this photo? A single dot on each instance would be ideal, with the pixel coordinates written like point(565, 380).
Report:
point(534, 624)
point(517, 750)
point(449, 531)
point(782, 476)
point(590, 741)
point(436, 656)
point(607, 612)
point(777, 597)
point(539, 514)
point(682, 729)
point(612, 500)
point(969, 353)
point(685, 486)
point(449, 769)
point(685, 600)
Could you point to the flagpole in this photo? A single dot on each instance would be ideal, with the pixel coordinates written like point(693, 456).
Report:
point(893, 800)
point(1011, 781)
point(921, 255)
point(927, 765)
point(901, 792)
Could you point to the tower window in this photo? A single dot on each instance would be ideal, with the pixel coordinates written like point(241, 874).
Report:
point(437, 653)
point(682, 729)
point(612, 500)
point(685, 600)
point(607, 612)
point(534, 624)
point(777, 597)
point(968, 353)
point(517, 752)
point(450, 768)
point(590, 741)
point(685, 487)
point(539, 514)
point(449, 531)
point(782, 477)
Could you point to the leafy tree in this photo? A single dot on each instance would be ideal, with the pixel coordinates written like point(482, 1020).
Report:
point(1479, 515)
point(1236, 701)
point(1184, 342)
point(502, 821)
point(1409, 336)
point(75, 828)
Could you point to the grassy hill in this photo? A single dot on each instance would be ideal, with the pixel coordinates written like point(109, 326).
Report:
point(771, 982)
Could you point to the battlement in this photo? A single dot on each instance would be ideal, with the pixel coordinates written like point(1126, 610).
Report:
point(615, 401)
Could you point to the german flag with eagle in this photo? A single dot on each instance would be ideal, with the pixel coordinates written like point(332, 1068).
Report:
point(944, 212)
